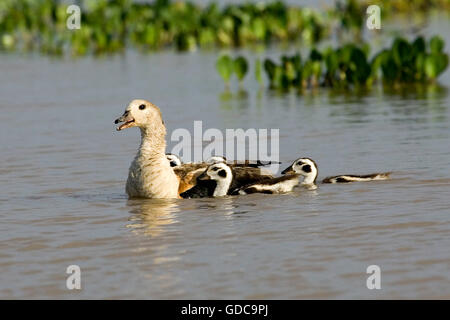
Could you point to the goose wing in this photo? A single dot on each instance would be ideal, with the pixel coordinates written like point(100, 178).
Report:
point(187, 175)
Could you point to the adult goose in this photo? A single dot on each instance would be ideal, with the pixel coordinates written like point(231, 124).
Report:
point(150, 174)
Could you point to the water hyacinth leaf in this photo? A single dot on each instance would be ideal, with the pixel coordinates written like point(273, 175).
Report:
point(377, 61)
point(331, 59)
point(401, 50)
point(317, 68)
point(389, 67)
point(418, 46)
point(345, 53)
point(278, 81)
point(431, 69)
point(297, 61)
point(360, 67)
point(240, 67)
point(259, 29)
point(269, 67)
point(442, 60)
point(435, 64)
point(358, 57)
point(182, 24)
point(366, 49)
point(207, 37)
point(307, 70)
point(436, 44)
point(420, 66)
point(258, 72)
point(224, 66)
point(348, 65)
point(315, 55)
point(289, 71)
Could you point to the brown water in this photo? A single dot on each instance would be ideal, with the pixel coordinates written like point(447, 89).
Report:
point(63, 171)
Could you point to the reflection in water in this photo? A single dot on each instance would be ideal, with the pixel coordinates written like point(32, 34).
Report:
point(223, 205)
point(422, 91)
point(231, 101)
point(63, 201)
point(151, 216)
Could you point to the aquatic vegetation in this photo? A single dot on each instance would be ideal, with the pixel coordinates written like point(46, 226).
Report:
point(111, 25)
point(240, 68)
point(341, 67)
point(225, 67)
point(258, 72)
point(412, 61)
point(349, 65)
point(350, 14)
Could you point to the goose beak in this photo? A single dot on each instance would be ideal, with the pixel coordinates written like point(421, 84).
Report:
point(127, 119)
point(204, 176)
point(288, 170)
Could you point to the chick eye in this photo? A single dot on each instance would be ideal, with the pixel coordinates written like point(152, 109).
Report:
point(142, 107)
point(306, 168)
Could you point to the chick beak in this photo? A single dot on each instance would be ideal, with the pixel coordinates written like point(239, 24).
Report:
point(288, 170)
point(127, 119)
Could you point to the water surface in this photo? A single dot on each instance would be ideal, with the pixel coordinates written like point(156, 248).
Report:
point(63, 171)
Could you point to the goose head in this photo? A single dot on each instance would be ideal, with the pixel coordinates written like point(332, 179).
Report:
point(222, 174)
point(174, 160)
point(142, 114)
point(305, 167)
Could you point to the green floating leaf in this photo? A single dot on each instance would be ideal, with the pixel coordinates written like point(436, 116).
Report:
point(436, 44)
point(269, 67)
point(435, 64)
point(240, 68)
point(258, 72)
point(402, 51)
point(418, 46)
point(224, 66)
point(315, 55)
point(348, 65)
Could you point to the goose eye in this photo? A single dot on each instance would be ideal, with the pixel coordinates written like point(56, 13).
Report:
point(142, 107)
point(306, 168)
point(222, 173)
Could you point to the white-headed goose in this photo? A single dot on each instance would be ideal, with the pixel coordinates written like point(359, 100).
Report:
point(206, 182)
point(221, 179)
point(276, 185)
point(174, 160)
point(215, 181)
point(309, 170)
point(188, 173)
